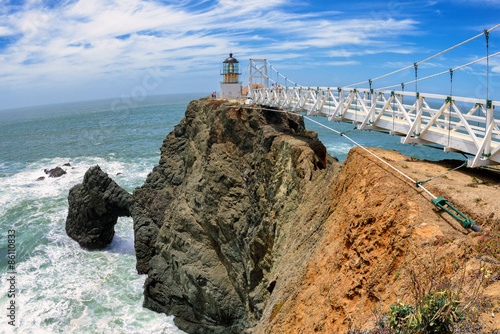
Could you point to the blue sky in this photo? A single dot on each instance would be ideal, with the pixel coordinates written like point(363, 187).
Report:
point(55, 51)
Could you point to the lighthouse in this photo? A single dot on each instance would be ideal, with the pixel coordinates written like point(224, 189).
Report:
point(230, 87)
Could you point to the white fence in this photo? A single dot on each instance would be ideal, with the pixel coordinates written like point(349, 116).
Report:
point(458, 124)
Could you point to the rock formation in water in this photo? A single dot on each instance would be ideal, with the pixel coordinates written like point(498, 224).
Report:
point(248, 225)
point(55, 172)
point(94, 208)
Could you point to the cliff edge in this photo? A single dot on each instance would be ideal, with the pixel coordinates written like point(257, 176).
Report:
point(211, 217)
point(248, 225)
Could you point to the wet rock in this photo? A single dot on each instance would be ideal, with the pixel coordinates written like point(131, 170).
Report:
point(205, 220)
point(41, 178)
point(94, 207)
point(55, 172)
point(212, 218)
point(67, 164)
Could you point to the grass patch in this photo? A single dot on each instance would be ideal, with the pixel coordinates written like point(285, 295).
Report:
point(489, 245)
point(276, 309)
point(440, 302)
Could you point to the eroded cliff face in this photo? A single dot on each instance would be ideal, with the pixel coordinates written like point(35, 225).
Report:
point(248, 225)
point(378, 227)
point(263, 232)
point(210, 219)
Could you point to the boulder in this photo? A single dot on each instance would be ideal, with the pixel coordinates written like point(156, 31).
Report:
point(94, 208)
point(55, 172)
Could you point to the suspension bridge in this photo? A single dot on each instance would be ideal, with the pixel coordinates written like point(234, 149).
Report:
point(457, 124)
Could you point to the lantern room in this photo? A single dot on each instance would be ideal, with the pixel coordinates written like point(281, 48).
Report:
point(230, 69)
point(230, 87)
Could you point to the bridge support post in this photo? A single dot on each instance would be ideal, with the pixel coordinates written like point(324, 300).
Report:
point(419, 111)
point(373, 106)
point(488, 126)
point(257, 69)
point(341, 102)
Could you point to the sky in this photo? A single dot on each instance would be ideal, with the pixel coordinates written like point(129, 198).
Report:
point(55, 51)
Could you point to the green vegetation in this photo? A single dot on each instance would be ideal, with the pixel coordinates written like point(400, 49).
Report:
point(276, 309)
point(489, 245)
point(439, 302)
point(398, 317)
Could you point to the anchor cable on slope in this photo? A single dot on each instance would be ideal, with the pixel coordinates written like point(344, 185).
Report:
point(419, 183)
point(437, 201)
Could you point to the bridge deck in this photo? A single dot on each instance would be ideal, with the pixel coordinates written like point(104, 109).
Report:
point(469, 127)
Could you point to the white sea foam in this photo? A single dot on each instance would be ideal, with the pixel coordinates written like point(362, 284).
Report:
point(61, 287)
point(339, 150)
point(23, 185)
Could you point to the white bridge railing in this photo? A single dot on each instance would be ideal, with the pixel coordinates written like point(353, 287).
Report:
point(458, 124)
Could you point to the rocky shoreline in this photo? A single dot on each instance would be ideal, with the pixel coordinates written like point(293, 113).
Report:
point(248, 225)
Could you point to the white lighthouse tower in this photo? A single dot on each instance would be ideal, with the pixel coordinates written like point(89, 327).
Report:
point(230, 87)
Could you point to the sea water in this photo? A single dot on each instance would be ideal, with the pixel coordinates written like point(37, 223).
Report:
point(59, 287)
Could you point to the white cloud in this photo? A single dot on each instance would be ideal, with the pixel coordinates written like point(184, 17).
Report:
point(4, 31)
point(96, 39)
point(342, 63)
point(387, 48)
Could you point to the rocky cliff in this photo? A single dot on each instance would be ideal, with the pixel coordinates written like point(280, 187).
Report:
point(211, 217)
point(248, 225)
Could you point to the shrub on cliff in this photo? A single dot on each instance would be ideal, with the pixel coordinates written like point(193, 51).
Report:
point(440, 302)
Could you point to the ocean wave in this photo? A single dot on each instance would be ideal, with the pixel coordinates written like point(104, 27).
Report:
point(338, 150)
point(61, 287)
point(64, 289)
point(24, 185)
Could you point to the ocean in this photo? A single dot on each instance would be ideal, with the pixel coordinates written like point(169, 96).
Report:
point(54, 286)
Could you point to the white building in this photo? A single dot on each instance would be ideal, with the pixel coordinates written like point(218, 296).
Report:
point(230, 87)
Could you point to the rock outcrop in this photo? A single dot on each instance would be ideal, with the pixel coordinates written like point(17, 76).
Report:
point(55, 172)
point(94, 208)
point(247, 225)
point(208, 217)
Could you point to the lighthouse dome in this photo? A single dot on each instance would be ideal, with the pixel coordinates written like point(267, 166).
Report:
point(230, 59)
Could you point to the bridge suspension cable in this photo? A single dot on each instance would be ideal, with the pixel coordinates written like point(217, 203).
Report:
point(437, 201)
point(444, 72)
point(427, 59)
point(281, 75)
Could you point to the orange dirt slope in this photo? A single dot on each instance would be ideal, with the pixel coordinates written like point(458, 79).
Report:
point(378, 225)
